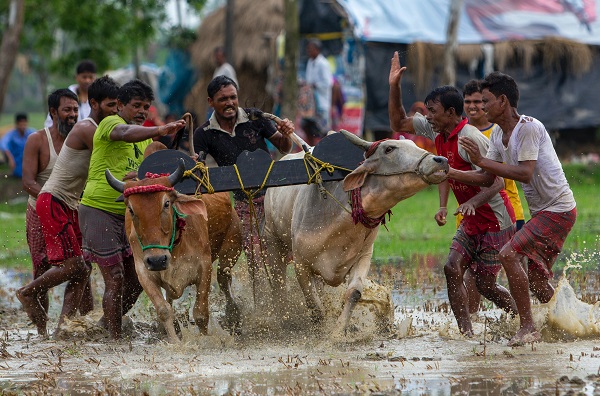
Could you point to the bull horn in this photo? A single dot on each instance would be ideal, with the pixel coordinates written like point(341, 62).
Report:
point(114, 182)
point(355, 140)
point(176, 176)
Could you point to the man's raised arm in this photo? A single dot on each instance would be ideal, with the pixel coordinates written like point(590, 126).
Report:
point(399, 122)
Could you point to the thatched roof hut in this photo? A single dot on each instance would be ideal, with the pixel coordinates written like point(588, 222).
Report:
point(256, 24)
point(554, 53)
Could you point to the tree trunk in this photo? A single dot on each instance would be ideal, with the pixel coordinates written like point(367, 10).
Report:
point(229, 20)
point(289, 92)
point(9, 46)
point(449, 74)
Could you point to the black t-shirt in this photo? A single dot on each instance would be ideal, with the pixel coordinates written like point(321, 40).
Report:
point(225, 148)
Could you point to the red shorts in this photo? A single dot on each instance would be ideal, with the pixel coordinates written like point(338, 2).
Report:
point(481, 250)
point(60, 226)
point(35, 241)
point(541, 239)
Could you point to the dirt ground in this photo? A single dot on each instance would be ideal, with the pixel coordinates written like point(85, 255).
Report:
point(421, 352)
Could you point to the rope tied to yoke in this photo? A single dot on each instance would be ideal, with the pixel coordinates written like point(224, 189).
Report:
point(203, 181)
point(254, 225)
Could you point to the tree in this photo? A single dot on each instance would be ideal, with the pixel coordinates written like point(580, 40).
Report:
point(10, 43)
point(60, 33)
point(292, 39)
point(449, 72)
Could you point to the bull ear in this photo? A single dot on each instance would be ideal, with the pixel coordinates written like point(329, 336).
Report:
point(190, 205)
point(153, 148)
point(356, 178)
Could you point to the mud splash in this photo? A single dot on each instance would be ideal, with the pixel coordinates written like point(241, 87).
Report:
point(420, 353)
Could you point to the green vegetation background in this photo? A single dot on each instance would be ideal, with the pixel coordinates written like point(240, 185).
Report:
point(412, 236)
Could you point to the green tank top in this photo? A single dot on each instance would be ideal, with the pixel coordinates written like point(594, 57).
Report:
point(118, 156)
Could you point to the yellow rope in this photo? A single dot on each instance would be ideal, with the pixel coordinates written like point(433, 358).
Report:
point(204, 181)
point(253, 217)
point(317, 166)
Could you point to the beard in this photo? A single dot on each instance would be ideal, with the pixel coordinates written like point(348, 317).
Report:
point(64, 127)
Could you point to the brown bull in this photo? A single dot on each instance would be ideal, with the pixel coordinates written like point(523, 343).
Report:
point(175, 238)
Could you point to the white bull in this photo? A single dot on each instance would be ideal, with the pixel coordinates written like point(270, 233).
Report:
point(321, 233)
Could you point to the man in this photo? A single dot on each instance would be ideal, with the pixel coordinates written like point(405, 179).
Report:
point(223, 67)
point(57, 209)
point(320, 79)
point(477, 117)
point(118, 145)
point(489, 218)
point(229, 131)
point(523, 151)
point(84, 77)
point(474, 110)
point(39, 157)
point(13, 144)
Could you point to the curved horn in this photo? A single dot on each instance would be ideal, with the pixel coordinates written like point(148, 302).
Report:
point(176, 176)
point(363, 144)
point(114, 182)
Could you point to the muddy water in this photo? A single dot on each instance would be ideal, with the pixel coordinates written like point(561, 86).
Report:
point(420, 353)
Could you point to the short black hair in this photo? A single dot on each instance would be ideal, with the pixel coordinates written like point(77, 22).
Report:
point(86, 66)
point(471, 87)
point(220, 49)
point(102, 88)
point(502, 84)
point(135, 89)
point(20, 117)
point(217, 83)
point(448, 96)
point(54, 97)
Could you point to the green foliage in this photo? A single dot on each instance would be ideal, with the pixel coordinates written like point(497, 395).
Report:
point(413, 235)
point(104, 30)
point(180, 38)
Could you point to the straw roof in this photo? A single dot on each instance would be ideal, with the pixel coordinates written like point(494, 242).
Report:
point(556, 54)
point(256, 24)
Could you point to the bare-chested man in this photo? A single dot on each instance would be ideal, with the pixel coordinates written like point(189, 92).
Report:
point(40, 155)
point(57, 209)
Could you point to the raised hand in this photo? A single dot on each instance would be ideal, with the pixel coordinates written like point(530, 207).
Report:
point(396, 70)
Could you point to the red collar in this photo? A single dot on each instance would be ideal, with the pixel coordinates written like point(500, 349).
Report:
point(460, 126)
point(180, 226)
point(358, 212)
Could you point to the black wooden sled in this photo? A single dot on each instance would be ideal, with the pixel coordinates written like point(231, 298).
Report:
point(253, 167)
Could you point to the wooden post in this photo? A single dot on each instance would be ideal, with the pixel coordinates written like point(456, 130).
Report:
point(229, 19)
point(289, 93)
point(9, 44)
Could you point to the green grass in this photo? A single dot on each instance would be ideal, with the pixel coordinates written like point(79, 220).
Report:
point(413, 234)
point(36, 120)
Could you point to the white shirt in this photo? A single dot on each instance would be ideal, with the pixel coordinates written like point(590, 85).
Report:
point(548, 189)
point(318, 74)
point(228, 71)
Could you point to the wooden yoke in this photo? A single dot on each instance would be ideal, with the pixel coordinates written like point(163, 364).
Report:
point(254, 166)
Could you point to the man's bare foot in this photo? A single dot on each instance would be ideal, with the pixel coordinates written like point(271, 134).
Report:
point(34, 310)
point(524, 336)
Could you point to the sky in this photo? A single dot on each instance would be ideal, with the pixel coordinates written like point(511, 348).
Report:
point(190, 18)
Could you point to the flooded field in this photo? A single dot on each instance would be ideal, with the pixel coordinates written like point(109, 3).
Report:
point(419, 352)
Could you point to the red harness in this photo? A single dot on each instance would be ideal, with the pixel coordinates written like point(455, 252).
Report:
point(358, 212)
